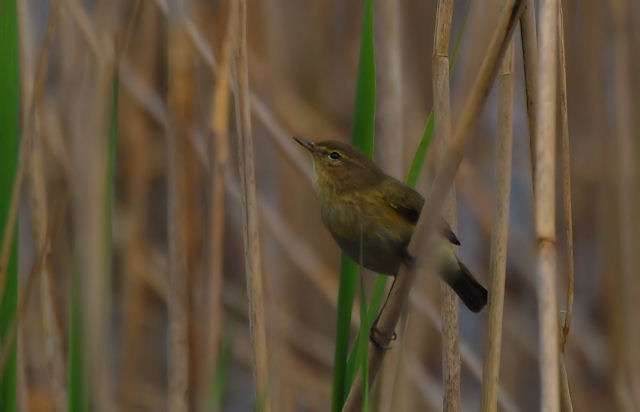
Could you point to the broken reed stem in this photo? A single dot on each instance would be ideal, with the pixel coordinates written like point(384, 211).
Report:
point(218, 159)
point(530, 63)
point(546, 271)
point(499, 234)
point(251, 235)
point(439, 189)
point(179, 56)
point(442, 113)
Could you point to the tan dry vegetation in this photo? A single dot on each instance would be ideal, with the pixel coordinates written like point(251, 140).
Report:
point(188, 222)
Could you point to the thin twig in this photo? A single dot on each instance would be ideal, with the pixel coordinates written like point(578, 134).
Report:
point(499, 234)
point(441, 185)
point(253, 259)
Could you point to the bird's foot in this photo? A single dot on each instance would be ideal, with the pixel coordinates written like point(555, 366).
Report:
point(380, 339)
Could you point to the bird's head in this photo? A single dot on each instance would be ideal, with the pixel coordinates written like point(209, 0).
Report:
point(339, 167)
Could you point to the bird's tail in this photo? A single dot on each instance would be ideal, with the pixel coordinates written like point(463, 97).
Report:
point(470, 291)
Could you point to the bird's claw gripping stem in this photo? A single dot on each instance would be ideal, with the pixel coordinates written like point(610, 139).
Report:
point(385, 343)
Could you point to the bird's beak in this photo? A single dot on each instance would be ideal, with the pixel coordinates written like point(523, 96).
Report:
point(307, 144)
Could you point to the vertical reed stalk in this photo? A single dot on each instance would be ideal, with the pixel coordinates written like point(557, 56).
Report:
point(218, 159)
point(442, 183)
point(179, 55)
point(389, 145)
point(251, 235)
point(442, 116)
point(530, 63)
point(389, 148)
point(568, 222)
point(546, 271)
point(499, 234)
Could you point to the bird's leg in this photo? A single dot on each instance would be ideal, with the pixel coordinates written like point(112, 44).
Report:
point(408, 261)
point(375, 332)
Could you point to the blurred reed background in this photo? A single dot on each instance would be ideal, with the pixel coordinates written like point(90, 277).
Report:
point(140, 269)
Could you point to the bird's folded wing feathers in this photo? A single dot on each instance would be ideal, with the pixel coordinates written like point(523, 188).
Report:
point(408, 204)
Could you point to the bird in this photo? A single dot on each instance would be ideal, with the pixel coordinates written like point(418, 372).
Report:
point(372, 214)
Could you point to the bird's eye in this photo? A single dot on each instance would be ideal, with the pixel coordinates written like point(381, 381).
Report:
point(334, 155)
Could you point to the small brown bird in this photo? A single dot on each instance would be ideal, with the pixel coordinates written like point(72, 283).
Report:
point(365, 209)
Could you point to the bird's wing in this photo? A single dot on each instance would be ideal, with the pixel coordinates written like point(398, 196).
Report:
point(408, 204)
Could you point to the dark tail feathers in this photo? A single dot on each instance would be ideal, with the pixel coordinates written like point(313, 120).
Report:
point(472, 293)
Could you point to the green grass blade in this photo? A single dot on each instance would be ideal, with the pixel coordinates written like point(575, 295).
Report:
point(363, 129)
point(9, 138)
point(364, 346)
point(362, 135)
point(421, 152)
point(346, 294)
point(222, 370)
point(78, 391)
point(353, 363)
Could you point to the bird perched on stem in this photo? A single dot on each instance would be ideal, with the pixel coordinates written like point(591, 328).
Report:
point(365, 209)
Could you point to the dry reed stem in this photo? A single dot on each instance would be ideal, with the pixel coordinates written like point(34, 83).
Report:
point(442, 117)
point(179, 55)
point(29, 127)
point(428, 387)
point(36, 268)
point(627, 183)
point(90, 164)
point(389, 144)
point(279, 227)
point(133, 212)
point(467, 355)
point(253, 259)
point(546, 271)
point(568, 223)
point(499, 234)
point(218, 159)
point(52, 342)
point(440, 187)
point(565, 391)
point(258, 106)
point(389, 131)
point(530, 63)
point(566, 176)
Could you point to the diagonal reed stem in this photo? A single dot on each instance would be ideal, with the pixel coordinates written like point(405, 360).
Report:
point(499, 234)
